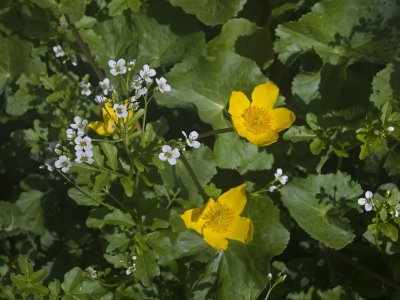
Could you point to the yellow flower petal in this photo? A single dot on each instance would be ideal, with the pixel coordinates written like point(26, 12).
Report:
point(265, 95)
point(215, 239)
point(99, 128)
point(242, 230)
point(192, 218)
point(264, 139)
point(282, 118)
point(238, 103)
point(239, 126)
point(235, 199)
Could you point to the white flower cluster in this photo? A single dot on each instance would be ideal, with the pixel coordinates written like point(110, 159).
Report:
point(279, 177)
point(132, 267)
point(367, 202)
point(49, 163)
point(105, 86)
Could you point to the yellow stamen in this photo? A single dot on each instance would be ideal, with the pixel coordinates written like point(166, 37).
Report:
point(220, 218)
point(256, 119)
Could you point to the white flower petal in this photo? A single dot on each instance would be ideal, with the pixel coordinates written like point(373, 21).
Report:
point(162, 156)
point(166, 148)
point(112, 63)
point(193, 135)
point(362, 201)
point(369, 195)
point(172, 161)
point(175, 153)
point(368, 206)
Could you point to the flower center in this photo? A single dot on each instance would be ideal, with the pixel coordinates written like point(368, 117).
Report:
point(220, 218)
point(256, 119)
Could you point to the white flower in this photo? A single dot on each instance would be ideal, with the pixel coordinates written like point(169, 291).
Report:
point(132, 63)
point(85, 88)
point(71, 134)
point(58, 51)
point(132, 268)
point(134, 104)
point(49, 163)
point(192, 139)
point(79, 123)
point(169, 154)
point(117, 67)
point(147, 73)
point(83, 143)
point(52, 146)
point(162, 85)
point(397, 210)
point(390, 129)
point(136, 82)
point(84, 157)
point(63, 163)
point(272, 188)
point(283, 179)
point(120, 110)
point(100, 99)
point(105, 86)
point(367, 201)
point(140, 92)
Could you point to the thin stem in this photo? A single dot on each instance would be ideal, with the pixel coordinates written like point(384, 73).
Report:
point(83, 191)
point(380, 277)
point(194, 177)
point(86, 51)
point(215, 132)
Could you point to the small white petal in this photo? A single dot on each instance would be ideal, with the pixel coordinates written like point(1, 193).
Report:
point(278, 172)
point(172, 161)
point(196, 144)
point(368, 206)
point(112, 63)
point(362, 201)
point(193, 135)
point(166, 148)
point(162, 156)
point(369, 195)
point(175, 153)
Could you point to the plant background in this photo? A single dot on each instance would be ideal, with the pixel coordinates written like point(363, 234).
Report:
point(337, 65)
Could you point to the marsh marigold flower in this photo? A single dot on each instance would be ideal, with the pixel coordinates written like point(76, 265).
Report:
point(258, 121)
point(110, 121)
point(219, 220)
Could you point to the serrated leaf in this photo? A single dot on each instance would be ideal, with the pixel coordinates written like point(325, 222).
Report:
point(382, 90)
point(316, 203)
point(299, 134)
point(339, 35)
point(211, 12)
point(146, 266)
point(306, 86)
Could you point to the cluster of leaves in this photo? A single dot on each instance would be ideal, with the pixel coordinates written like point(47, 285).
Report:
point(337, 64)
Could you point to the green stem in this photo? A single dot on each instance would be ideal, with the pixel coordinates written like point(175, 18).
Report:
point(105, 170)
point(215, 132)
point(111, 207)
point(194, 177)
point(86, 51)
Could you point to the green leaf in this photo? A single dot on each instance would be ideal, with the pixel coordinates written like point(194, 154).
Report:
point(306, 86)
point(19, 103)
point(211, 12)
point(75, 9)
point(85, 196)
point(389, 230)
point(32, 214)
point(317, 202)
point(146, 266)
point(111, 153)
point(299, 134)
point(101, 181)
point(15, 60)
point(382, 90)
point(188, 243)
point(127, 184)
point(162, 246)
point(116, 7)
point(230, 32)
point(29, 282)
point(99, 217)
point(339, 36)
point(316, 146)
point(75, 286)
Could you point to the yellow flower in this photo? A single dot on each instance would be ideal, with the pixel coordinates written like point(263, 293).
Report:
point(109, 126)
point(219, 220)
point(258, 121)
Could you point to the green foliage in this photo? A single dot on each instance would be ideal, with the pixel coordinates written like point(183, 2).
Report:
point(112, 228)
